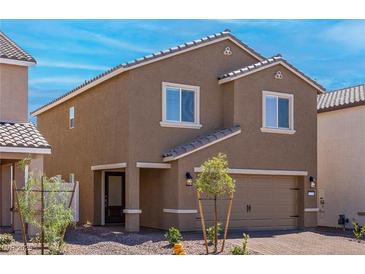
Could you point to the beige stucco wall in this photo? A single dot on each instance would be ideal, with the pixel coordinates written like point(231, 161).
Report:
point(99, 137)
point(341, 162)
point(13, 93)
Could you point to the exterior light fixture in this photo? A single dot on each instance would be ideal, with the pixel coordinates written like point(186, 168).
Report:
point(312, 181)
point(189, 179)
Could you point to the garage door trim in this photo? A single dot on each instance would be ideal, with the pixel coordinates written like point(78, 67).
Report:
point(261, 171)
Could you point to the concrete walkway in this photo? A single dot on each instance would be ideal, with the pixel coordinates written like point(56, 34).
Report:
point(304, 242)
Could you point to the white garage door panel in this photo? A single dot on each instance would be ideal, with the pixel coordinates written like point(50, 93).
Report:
point(273, 202)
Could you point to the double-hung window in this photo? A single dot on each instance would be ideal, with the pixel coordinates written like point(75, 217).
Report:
point(180, 106)
point(278, 112)
point(71, 117)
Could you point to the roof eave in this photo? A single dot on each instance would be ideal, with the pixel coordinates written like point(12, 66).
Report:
point(17, 62)
point(30, 150)
point(281, 62)
point(344, 106)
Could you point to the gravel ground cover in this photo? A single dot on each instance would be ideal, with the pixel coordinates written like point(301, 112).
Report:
point(91, 240)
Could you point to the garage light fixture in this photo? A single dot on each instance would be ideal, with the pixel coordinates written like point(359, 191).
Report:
point(312, 181)
point(189, 179)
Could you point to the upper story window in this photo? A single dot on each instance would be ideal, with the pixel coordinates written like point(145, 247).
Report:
point(180, 106)
point(72, 117)
point(278, 112)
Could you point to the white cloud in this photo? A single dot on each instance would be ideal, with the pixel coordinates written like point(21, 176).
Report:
point(57, 80)
point(57, 64)
point(116, 43)
point(350, 33)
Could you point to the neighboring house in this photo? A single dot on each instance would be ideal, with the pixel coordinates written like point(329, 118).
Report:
point(341, 154)
point(18, 138)
point(133, 135)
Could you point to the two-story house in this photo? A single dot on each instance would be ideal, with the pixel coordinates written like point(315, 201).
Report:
point(19, 139)
point(134, 136)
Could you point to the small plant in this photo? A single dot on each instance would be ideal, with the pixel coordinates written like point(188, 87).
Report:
point(5, 241)
point(211, 232)
point(215, 181)
point(173, 235)
point(359, 232)
point(241, 250)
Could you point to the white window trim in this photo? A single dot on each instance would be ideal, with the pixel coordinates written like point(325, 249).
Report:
point(69, 117)
point(165, 122)
point(71, 178)
point(289, 96)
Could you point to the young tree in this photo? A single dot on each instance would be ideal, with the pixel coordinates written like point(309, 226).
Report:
point(214, 181)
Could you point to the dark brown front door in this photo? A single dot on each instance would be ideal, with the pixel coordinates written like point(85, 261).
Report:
point(114, 197)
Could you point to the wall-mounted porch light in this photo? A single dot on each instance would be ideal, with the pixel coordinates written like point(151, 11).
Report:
point(189, 179)
point(312, 181)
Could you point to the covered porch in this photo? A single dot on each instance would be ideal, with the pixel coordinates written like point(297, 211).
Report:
point(118, 193)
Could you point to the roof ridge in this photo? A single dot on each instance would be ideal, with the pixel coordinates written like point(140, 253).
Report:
point(18, 47)
point(340, 89)
point(186, 45)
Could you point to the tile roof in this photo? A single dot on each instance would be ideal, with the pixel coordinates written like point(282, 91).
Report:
point(267, 63)
point(156, 55)
point(200, 141)
point(21, 135)
point(341, 98)
point(10, 50)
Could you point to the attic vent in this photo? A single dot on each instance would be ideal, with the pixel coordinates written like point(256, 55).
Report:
point(278, 75)
point(227, 51)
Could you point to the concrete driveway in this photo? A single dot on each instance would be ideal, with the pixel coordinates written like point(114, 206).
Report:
point(317, 241)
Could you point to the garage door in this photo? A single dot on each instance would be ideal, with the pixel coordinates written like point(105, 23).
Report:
point(260, 202)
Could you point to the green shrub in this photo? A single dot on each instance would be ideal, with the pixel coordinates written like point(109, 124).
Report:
point(57, 214)
point(5, 241)
point(359, 232)
point(211, 232)
point(173, 235)
point(241, 250)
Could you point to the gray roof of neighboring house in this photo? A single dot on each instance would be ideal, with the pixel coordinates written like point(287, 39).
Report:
point(10, 50)
point(201, 141)
point(341, 98)
point(21, 135)
point(265, 63)
point(157, 55)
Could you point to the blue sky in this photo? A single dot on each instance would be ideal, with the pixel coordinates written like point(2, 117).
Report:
point(71, 51)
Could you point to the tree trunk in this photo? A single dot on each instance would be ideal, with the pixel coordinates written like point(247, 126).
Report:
point(215, 224)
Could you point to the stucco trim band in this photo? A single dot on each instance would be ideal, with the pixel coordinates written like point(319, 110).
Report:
point(171, 158)
point(132, 211)
point(153, 165)
point(314, 209)
point(180, 211)
point(26, 150)
point(228, 79)
point(261, 171)
point(109, 166)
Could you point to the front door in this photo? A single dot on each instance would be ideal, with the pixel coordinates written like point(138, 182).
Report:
point(114, 197)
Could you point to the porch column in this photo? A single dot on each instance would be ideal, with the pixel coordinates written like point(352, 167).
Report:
point(132, 209)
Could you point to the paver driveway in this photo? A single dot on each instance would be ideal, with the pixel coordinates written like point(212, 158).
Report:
point(309, 242)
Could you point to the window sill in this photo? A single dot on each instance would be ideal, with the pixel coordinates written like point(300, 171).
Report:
point(180, 125)
point(277, 130)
